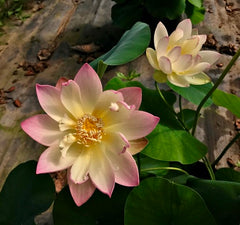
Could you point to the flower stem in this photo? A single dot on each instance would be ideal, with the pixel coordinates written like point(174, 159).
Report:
point(209, 167)
point(170, 108)
point(224, 73)
point(226, 149)
point(165, 168)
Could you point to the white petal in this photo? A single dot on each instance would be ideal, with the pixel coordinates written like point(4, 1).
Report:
point(186, 26)
point(152, 58)
point(159, 33)
point(174, 54)
point(198, 68)
point(165, 65)
point(70, 97)
point(80, 168)
point(209, 56)
point(198, 79)
point(66, 142)
point(178, 80)
point(104, 102)
point(182, 64)
point(189, 45)
point(175, 37)
point(100, 172)
point(202, 40)
point(162, 47)
point(90, 87)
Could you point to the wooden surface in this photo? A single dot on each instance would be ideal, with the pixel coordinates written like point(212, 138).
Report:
point(90, 22)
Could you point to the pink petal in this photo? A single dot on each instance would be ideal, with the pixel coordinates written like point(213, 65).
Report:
point(124, 167)
point(160, 32)
point(137, 146)
point(209, 56)
point(100, 172)
point(90, 86)
point(60, 82)
point(104, 102)
point(42, 129)
point(71, 99)
point(81, 192)
point(138, 125)
point(132, 96)
point(186, 26)
point(79, 170)
point(49, 99)
point(51, 159)
point(165, 65)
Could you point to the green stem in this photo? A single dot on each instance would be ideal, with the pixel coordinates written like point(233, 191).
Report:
point(165, 168)
point(226, 149)
point(209, 167)
point(224, 73)
point(170, 107)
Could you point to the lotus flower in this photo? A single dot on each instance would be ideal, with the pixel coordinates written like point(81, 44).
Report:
point(178, 58)
point(91, 133)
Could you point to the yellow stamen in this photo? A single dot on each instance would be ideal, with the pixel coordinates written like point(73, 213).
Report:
point(89, 130)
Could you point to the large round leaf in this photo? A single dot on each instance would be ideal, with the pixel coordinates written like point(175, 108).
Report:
point(158, 201)
point(99, 209)
point(174, 145)
point(165, 9)
point(228, 174)
point(25, 195)
point(121, 12)
point(194, 93)
point(222, 199)
point(131, 45)
point(226, 100)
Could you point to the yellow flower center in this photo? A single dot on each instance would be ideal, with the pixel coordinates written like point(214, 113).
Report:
point(89, 130)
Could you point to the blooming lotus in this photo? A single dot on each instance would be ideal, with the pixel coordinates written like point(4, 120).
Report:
point(178, 58)
point(91, 133)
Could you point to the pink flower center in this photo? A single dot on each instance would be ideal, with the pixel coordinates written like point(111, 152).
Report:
point(89, 130)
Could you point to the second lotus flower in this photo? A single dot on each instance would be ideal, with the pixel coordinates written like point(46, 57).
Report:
point(177, 58)
point(90, 132)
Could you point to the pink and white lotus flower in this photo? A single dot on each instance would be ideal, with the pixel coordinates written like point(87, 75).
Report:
point(90, 132)
point(177, 58)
